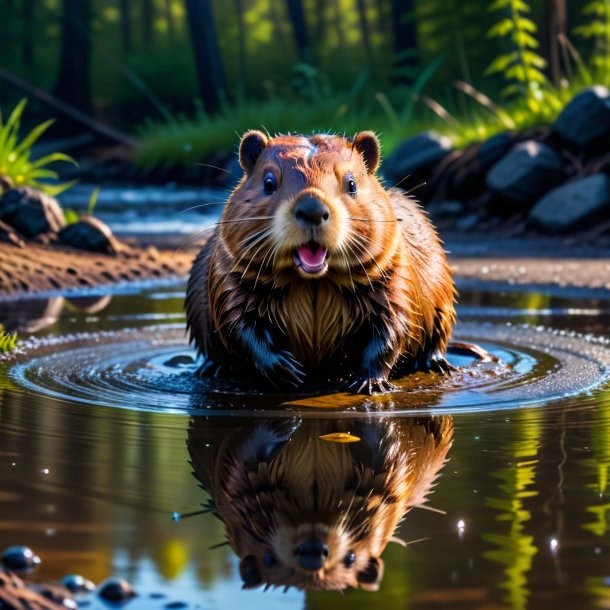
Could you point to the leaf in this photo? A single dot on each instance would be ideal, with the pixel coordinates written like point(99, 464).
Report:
point(93, 200)
point(71, 216)
point(501, 63)
point(53, 158)
point(29, 140)
point(501, 28)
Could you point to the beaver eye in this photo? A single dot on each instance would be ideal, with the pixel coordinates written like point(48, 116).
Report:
point(351, 184)
point(349, 560)
point(269, 561)
point(269, 183)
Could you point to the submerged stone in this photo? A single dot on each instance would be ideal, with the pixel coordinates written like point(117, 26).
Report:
point(116, 590)
point(585, 121)
point(573, 205)
point(525, 173)
point(75, 583)
point(20, 559)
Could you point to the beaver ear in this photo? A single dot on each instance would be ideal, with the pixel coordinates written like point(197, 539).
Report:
point(369, 579)
point(249, 572)
point(367, 144)
point(250, 147)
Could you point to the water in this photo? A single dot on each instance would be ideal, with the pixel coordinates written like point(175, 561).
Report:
point(102, 426)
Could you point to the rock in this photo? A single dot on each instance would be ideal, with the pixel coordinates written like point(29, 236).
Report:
point(585, 121)
point(20, 559)
point(493, 150)
point(90, 234)
point(31, 212)
point(6, 184)
point(468, 222)
point(414, 156)
point(573, 205)
point(10, 236)
point(525, 173)
point(448, 209)
point(116, 590)
point(75, 583)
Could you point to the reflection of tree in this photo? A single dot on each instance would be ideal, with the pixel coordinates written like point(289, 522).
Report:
point(599, 467)
point(515, 549)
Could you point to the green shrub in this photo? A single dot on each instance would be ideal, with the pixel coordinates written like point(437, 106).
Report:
point(15, 155)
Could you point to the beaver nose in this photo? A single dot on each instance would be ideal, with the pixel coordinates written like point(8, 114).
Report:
point(311, 212)
point(312, 555)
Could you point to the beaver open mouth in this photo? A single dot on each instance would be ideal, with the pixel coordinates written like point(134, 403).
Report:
point(311, 257)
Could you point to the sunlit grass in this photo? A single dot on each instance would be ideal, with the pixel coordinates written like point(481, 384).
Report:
point(8, 341)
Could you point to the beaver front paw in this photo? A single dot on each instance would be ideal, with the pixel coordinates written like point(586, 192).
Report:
point(281, 369)
point(371, 385)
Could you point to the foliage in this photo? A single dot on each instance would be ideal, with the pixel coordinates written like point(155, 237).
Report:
point(16, 151)
point(597, 29)
point(7, 341)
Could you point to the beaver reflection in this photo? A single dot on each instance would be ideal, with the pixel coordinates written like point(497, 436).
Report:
point(315, 513)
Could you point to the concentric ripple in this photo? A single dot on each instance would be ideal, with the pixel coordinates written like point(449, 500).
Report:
point(153, 369)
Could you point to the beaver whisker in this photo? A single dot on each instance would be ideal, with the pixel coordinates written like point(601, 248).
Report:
point(256, 239)
point(192, 238)
point(200, 205)
point(349, 246)
point(373, 219)
point(361, 241)
point(249, 218)
point(343, 254)
point(251, 259)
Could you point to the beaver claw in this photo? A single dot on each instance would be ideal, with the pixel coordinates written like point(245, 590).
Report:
point(371, 385)
point(282, 368)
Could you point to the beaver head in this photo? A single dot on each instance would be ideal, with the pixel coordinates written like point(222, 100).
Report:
point(301, 510)
point(310, 207)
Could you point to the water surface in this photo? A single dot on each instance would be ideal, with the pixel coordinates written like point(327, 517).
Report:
point(97, 453)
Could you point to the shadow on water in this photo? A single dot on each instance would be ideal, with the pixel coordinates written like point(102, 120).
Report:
point(521, 505)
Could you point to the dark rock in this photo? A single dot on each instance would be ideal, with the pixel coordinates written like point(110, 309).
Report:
point(31, 212)
point(180, 361)
point(573, 205)
point(585, 121)
point(20, 559)
point(75, 583)
point(90, 234)
point(6, 184)
point(448, 209)
point(493, 150)
point(524, 174)
point(414, 156)
point(116, 590)
point(470, 221)
point(10, 236)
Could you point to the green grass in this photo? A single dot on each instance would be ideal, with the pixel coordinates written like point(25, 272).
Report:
point(7, 341)
point(464, 115)
point(15, 155)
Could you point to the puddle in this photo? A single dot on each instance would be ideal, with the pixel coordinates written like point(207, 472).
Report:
point(501, 474)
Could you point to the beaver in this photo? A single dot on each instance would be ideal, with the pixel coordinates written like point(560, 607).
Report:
point(315, 271)
point(301, 510)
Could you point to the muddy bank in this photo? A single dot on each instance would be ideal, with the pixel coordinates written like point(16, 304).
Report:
point(38, 268)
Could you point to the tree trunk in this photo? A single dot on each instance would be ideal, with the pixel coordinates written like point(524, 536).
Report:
point(241, 50)
point(338, 19)
point(365, 30)
point(73, 82)
point(27, 29)
point(320, 22)
point(125, 10)
point(405, 39)
point(148, 16)
point(299, 28)
point(208, 62)
point(556, 26)
point(169, 18)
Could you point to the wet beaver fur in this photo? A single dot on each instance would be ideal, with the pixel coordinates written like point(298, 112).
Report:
point(317, 273)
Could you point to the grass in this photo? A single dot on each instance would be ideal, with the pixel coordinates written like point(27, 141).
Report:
point(16, 151)
point(7, 341)
point(465, 116)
